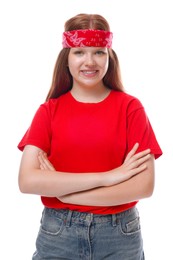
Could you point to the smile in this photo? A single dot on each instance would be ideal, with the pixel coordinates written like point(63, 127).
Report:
point(89, 72)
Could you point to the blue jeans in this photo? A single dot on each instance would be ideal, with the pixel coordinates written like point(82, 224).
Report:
point(71, 235)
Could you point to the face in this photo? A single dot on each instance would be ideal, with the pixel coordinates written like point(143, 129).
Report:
point(88, 65)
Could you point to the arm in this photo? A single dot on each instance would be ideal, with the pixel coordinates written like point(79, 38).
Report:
point(138, 187)
point(38, 176)
point(35, 178)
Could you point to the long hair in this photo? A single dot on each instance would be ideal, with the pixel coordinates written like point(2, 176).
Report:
point(62, 80)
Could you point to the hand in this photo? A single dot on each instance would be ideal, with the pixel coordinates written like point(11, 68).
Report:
point(134, 163)
point(45, 164)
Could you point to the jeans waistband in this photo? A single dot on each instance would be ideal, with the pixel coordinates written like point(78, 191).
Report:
point(70, 216)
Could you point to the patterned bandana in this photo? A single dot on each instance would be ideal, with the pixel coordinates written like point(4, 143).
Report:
point(87, 38)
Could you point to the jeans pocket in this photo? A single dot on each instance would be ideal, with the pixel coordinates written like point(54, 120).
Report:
point(133, 225)
point(130, 225)
point(51, 224)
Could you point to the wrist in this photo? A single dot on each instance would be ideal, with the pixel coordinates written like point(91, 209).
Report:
point(105, 179)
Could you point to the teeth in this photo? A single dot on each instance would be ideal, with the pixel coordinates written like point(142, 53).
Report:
point(89, 72)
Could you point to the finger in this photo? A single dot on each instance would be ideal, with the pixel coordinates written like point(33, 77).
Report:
point(137, 156)
point(46, 165)
point(138, 170)
point(40, 158)
point(139, 162)
point(141, 154)
point(49, 165)
point(132, 152)
point(43, 165)
point(42, 161)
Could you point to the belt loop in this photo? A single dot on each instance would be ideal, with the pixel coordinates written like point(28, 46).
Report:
point(68, 219)
point(114, 220)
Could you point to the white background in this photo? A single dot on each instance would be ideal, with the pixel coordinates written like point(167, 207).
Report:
point(30, 39)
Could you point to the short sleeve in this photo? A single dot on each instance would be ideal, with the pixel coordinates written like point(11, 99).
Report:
point(39, 132)
point(139, 129)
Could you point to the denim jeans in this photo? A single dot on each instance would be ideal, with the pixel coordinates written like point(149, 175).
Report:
point(71, 235)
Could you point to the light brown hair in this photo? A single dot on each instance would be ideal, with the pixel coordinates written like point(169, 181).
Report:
point(62, 80)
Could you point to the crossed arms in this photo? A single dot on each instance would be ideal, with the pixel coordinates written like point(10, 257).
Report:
point(133, 180)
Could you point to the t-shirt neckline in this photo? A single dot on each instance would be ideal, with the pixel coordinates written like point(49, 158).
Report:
point(90, 103)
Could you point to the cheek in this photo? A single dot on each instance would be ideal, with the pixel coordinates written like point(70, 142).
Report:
point(71, 69)
point(72, 66)
point(73, 63)
point(105, 64)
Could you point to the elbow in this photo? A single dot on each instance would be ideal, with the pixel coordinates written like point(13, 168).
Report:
point(145, 185)
point(149, 191)
point(149, 180)
point(23, 184)
point(149, 188)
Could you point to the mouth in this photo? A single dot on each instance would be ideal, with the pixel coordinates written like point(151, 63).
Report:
point(89, 73)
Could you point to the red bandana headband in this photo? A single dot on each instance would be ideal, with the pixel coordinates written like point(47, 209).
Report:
point(87, 38)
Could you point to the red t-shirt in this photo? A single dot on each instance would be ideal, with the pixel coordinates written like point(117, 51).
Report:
point(90, 137)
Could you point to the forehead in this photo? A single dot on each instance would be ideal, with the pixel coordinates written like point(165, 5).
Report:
point(88, 49)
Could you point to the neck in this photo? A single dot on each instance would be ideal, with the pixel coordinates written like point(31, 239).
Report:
point(90, 95)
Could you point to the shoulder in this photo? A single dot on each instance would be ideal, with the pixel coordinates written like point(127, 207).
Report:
point(126, 100)
point(52, 105)
point(53, 102)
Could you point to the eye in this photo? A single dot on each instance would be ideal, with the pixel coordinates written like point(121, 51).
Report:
point(100, 52)
point(78, 52)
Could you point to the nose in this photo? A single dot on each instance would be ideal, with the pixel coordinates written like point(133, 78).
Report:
point(90, 61)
